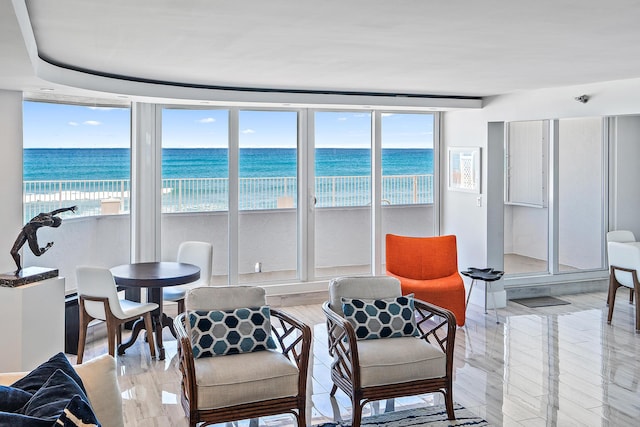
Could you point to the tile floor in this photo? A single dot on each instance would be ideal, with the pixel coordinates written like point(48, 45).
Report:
point(561, 365)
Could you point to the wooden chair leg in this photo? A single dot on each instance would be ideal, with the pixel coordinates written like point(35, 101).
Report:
point(111, 336)
point(82, 338)
point(448, 401)
point(181, 306)
point(301, 416)
point(613, 287)
point(356, 418)
point(636, 290)
point(149, 328)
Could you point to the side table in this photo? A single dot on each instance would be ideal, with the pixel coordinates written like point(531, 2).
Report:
point(487, 275)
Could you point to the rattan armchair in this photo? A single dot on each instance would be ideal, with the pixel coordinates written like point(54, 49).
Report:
point(247, 385)
point(375, 369)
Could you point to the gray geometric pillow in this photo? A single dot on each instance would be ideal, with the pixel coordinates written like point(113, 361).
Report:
point(220, 332)
point(383, 318)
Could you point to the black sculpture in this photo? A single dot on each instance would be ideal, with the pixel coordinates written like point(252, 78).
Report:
point(28, 233)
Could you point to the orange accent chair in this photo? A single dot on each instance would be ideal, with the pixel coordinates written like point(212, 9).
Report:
point(428, 268)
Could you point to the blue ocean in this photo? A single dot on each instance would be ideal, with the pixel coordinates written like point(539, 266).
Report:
point(52, 164)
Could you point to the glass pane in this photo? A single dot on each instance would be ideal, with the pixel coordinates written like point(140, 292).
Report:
point(526, 214)
point(267, 235)
point(580, 201)
point(78, 155)
point(407, 174)
point(343, 193)
point(195, 182)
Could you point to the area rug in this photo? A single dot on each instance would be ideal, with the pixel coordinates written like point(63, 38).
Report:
point(432, 416)
point(540, 302)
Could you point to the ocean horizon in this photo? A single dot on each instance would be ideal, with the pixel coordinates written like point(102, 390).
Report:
point(54, 164)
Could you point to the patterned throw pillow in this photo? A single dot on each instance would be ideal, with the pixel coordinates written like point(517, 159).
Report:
point(78, 413)
point(382, 318)
point(220, 332)
point(37, 377)
point(12, 399)
point(53, 397)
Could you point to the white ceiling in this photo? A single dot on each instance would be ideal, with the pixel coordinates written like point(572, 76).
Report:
point(454, 48)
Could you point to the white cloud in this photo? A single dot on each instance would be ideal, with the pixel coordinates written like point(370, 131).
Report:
point(207, 120)
point(92, 123)
point(247, 131)
point(342, 119)
point(387, 114)
point(73, 123)
point(101, 108)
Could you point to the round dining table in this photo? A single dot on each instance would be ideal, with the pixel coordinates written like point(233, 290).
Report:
point(153, 276)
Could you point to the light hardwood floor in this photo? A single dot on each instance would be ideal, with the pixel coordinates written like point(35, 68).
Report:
point(561, 365)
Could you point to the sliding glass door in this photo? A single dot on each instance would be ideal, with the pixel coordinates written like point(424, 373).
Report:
point(342, 193)
point(195, 183)
point(407, 143)
point(267, 200)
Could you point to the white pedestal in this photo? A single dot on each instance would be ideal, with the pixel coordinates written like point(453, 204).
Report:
point(31, 324)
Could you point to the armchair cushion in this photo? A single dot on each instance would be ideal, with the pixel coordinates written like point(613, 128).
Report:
point(244, 378)
point(381, 318)
point(399, 360)
point(221, 332)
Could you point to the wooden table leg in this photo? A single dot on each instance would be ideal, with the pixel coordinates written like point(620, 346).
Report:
point(138, 326)
point(155, 295)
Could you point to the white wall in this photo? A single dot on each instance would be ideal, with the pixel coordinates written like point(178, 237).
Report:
point(625, 158)
point(464, 128)
point(11, 169)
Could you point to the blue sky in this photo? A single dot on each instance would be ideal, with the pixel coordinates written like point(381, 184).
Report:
point(49, 125)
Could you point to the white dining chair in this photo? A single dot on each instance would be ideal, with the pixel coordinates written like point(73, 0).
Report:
point(199, 254)
point(98, 300)
point(624, 264)
point(621, 236)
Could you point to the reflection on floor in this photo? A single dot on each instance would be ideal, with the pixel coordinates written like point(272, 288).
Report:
point(561, 365)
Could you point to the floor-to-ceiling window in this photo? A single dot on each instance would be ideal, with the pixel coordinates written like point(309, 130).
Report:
point(259, 233)
point(407, 143)
point(267, 199)
point(195, 183)
point(78, 155)
point(342, 193)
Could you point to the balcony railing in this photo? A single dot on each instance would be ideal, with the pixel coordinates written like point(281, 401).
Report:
point(97, 197)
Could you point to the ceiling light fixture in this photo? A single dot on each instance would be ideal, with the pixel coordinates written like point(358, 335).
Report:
point(46, 89)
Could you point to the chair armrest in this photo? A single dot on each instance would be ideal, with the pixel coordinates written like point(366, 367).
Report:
point(343, 345)
point(294, 339)
point(437, 325)
point(186, 363)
